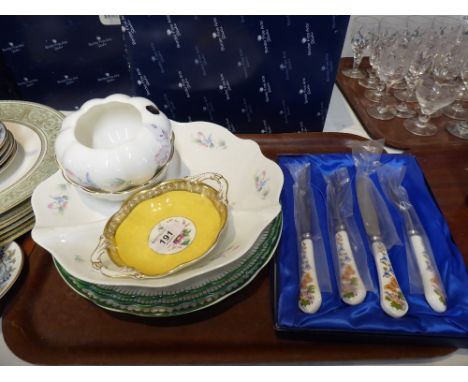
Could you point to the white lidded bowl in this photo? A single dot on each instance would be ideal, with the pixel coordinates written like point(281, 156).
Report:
point(114, 144)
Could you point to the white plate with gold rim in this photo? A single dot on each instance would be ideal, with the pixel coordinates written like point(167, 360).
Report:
point(70, 223)
point(34, 128)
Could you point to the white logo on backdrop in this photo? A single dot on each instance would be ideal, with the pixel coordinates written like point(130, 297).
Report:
point(200, 61)
point(266, 128)
point(225, 86)
point(286, 65)
point(143, 81)
point(168, 105)
point(67, 80)
point(244, 63)
point(128, 28)
point(173, 31)
point(247, 110)
point(27, 82)
point(108, 78)
point(55, 44)
point(265, 89)
point(305, 90)
point(219, 34)
point(184, 84)
point(327, 67)
point(264, 37)
point(13, 48)
point(308, 39)
point(209, 108)
point(100, 42)
point(285, 112)
point(157, 58)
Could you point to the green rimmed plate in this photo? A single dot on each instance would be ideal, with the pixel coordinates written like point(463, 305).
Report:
point(192, 296)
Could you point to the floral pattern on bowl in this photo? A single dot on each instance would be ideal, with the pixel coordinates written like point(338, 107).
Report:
point(112, 144)
point(250, 210)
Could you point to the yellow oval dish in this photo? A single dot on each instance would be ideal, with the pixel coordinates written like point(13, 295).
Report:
point(160, 230)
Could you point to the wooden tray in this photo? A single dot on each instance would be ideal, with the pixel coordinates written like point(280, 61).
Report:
point(392, 131)
point(46, 322)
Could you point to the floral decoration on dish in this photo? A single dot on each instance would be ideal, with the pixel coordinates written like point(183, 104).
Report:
point(207, 140)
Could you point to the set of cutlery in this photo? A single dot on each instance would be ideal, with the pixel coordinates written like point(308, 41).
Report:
point(348, 247)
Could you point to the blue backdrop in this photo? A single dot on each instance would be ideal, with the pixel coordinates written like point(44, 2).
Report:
point(248, 73)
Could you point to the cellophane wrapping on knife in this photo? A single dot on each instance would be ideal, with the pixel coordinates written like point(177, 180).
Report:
point(303, 185)
point(349, 262)
point(367, 318)
point(366, 157)
point(391, 181)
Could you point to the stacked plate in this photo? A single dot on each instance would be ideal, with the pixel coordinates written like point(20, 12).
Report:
point(27, 136)
point(8, 147)
point(69, 224)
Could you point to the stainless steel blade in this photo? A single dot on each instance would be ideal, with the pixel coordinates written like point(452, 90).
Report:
point(366, 206)
point(333, 203)
point(304, 210)
point(337, 193)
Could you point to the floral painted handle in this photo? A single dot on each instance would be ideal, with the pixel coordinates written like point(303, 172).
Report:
point(433, 290)
point(392, 300)
point(352, 288)
point(310, 297)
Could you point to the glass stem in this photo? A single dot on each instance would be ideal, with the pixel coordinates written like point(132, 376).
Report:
point(422, 121)
point(380, 88)
point(387, 91)
point(410, 90)
point(356, 61)
point(411, 86)
point(402, 106)
point(385, 97)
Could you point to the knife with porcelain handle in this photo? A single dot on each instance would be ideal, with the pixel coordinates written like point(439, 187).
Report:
point(352, 289)
point(310, 297)
point(392, 299)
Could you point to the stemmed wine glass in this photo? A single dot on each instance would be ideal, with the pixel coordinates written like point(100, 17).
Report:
point(375, 94)
point(447, 30)
point(360, 38)
point(458, 54)
point(460, 128)
point(372, 80)
point(421, 43)
point(432, 95)
point(392, 62)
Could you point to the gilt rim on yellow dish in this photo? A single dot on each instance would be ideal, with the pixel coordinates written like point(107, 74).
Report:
point(192, 185)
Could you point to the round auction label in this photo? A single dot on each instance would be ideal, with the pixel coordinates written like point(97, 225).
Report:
point(172, 235)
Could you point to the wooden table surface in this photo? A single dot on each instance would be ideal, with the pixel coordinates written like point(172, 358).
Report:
point(45, 322)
